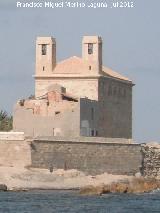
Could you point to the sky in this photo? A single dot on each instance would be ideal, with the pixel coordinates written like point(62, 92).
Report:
point(131, 46)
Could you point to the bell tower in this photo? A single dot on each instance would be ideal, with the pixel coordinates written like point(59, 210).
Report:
point(45, 55)
point(92, 52)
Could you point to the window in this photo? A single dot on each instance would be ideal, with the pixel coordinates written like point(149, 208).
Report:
point(43, 68)
point(119, 92)
point(92, 113)
point(44, 49)
point(92, 133)
point(109, 90)
point(114, 91)
point(124, 93)
point(57, 112)
point(90, 48)
point(90, 67)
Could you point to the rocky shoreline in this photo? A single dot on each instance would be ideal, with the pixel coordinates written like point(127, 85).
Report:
point(3, 188)
point(135, 186)
point(16, 178)
point(20, 176)
point(24, 179)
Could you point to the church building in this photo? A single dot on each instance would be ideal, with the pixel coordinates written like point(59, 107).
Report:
point(77, 96)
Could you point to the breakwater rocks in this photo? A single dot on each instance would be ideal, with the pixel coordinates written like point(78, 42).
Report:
point(3, 188)
point(136, 185)
point(151, 160)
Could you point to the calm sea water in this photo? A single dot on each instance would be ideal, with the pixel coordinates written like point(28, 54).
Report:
point(71, 201)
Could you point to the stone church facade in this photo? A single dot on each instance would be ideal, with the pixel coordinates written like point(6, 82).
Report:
point(84, 78)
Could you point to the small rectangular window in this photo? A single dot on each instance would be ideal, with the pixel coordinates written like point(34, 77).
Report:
point(92, 113)
point(44, 49)
point(90, 48)
point(92, 133)
point(57, 112)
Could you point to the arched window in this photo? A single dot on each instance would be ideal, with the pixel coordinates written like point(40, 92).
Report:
point(90, 48)
point(44, 49)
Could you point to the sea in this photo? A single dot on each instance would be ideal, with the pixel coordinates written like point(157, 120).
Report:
point(55, 201)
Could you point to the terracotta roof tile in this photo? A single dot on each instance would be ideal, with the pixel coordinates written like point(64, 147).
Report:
point(109, 72)
point(73, 65)
point(76, 65)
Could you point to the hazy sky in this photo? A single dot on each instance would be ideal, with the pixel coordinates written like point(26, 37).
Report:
point(131, 46)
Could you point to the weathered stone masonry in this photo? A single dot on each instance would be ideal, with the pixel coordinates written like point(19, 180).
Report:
point(151, 161)
point(89, 157)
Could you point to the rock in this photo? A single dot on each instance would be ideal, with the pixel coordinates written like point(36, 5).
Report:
point(137, 185)
point(3, 187)
point(138, 175)
point(92, 190)
point(106, 189)
point(119, 187)
point(151, 164)
point(141, 185)
point(19, 190)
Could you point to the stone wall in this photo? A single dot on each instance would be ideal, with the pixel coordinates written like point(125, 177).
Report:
point(97, 140)
point(60, 118)
point(65, 123)
point(114, 156)
point(79, 87)
point(11, 136)
point(15, 153)
point(115, 98)
point(89, 115)
point(89, 157)
point(151, 161)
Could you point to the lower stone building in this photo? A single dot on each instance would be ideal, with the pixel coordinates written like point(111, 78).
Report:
point(56, 113)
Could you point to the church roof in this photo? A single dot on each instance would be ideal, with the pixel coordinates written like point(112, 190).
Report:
point(71, 65)
point(109, 72)
point(76, 65)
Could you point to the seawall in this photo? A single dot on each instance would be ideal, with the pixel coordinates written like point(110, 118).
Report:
point(114, 156)
point(15, 153)
point(90, 157)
